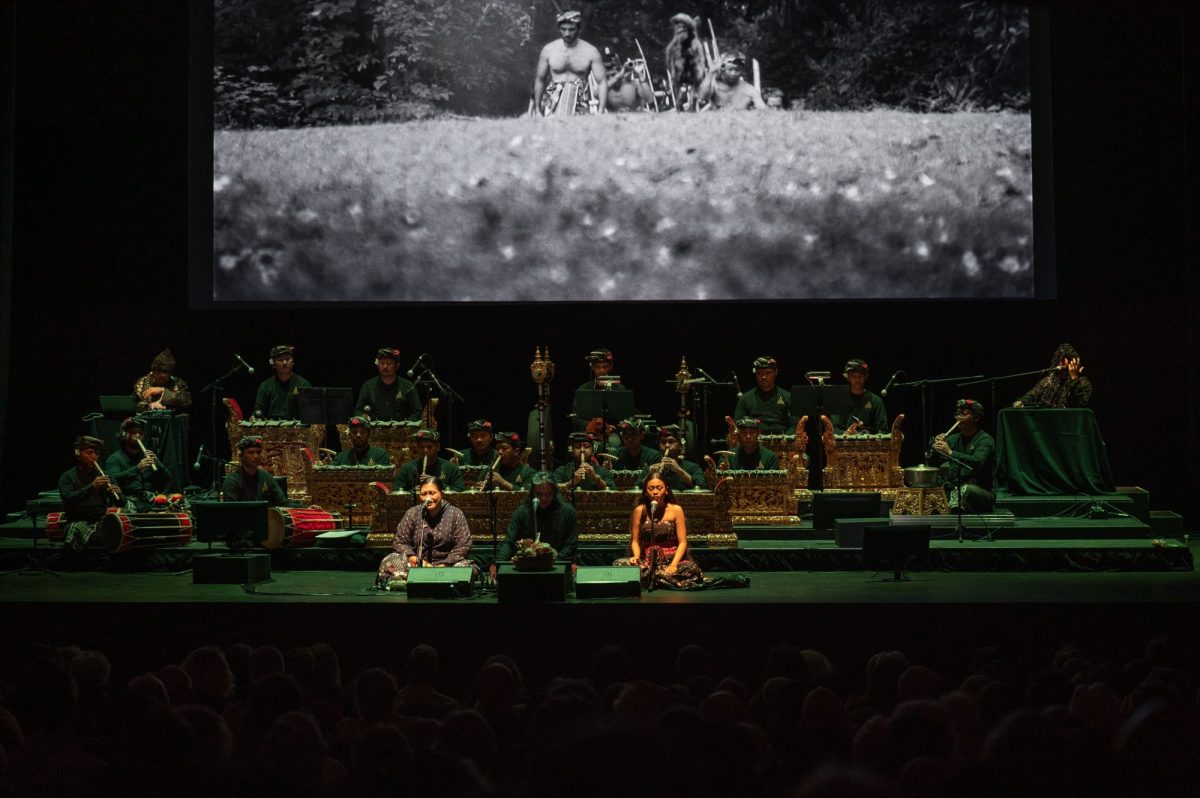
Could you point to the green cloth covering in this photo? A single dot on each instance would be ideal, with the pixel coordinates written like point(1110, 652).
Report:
point(869, 408)
point(761, 458)
point(1051, 452)
point(82, 502)
point(278, 400)
point(238, 487)
point(400, 401)
point(122, 468)
point(409, 475)
point(675, 482)
point(628, 462)
point(978, 453)
point(565, 472)
point(557, 524)
point(773, 410)
point(373, 456)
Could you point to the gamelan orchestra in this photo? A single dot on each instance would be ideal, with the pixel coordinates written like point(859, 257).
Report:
point(654, 485)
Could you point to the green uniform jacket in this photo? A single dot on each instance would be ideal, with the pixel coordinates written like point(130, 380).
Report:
point(238, 487)
point(675, 482)
point(373, 456)
point(869, 408)
point(978, 452)
point(400, 401)
point(81, 501)
point(627, 462)
point(773, 409)
point(518, 476)
point(277, 400)
point(409, 474)
point(123, 469)
point(564, 473)
point(469, 458)
point(557, 524)
point(762, 458)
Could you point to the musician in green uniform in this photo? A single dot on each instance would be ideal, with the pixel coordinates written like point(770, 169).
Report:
point(600, 361)
point(361, 452)
point(542, 515)
point(482, 451)
point(975, 449)
point(426, 445)
point(86, 494)
point(633, 456)
point(679, 474)
point(749, 454)
point(388, 397)
point(510, 473)
point(279, 396)
point(137, 474)
point(250, 482)
point(767, 402)
point(866, 413)
point(583, 472)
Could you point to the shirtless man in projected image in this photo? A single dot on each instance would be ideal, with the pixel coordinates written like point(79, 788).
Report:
point(563, 69)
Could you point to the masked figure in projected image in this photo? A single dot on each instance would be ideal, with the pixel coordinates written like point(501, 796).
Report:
point(388, 397)
point(866, 412)
point(976, 450)
point(678, 473)
point(361, 452)
point(161, 389)
point(770, 404)
point(685, 61)
point(86, 494)
point(553, 521)
point(725, 87)
point(561, 87)
point(432, 533)
point(1064, 386)
point(426, 445)
point(279, 396)
point(137, 474)
point(510, 473)
point(658, 539)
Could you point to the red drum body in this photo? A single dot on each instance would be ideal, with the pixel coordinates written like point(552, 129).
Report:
point(56, 526)
point(121, 532)
point(291, 527)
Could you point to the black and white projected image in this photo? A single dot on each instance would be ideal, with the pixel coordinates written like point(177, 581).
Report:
point(392, 151)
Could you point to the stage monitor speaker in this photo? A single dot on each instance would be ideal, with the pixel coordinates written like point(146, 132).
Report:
point(515, 586)
point(829, 505)
point(895, 547)
point(608, 581)
point(439, 583)
point(848, 532)
point(230, 569)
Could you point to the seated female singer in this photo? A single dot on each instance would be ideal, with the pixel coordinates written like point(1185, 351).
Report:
point(658, 539)
point(432, 533)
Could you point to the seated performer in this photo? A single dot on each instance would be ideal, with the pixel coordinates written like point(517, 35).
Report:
point(250, 482)
point(1064, 386)
point(678, 473)
point(138, 475)
point(482, 451)
point(771, 405)
point(86, 494)
point(161, 389)
point(433, 533)
point(545, 516)
point(600, 361)
point(279, 396)
point(725, 87)
point(749, 455)
point(510, 473)
point(388, 397)
point(583, 472)
point(563, 69)
point(976, 450)
point(658, 539)
point(632, 456)
point(426, 445)
point(866, 412)
point(361, 452)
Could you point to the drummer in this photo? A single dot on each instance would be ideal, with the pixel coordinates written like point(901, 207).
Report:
point(482, 451)
point(138, 474)
point(750, 455)
point(250, 482)
point(866, 413)
point(510, 473)
point(426, 445)
point(361, 452)
point(86, 494)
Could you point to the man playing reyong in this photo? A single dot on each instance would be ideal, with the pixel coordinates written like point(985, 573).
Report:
point(975, 449)
point(388, 397)
point(279, 396)
point(250, 482)
point(137, 474)
point(161, 389)
point(749, 454)
point(771, 405)
point(426, 445)
point(866, 412)
point(361, 452)
point(561, 85)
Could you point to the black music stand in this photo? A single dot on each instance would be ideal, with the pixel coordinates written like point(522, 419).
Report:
point(612, 405)
point(815, 401)
point(326, 406)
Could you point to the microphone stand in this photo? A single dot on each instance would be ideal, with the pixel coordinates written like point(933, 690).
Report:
point(993, 380)
point(926, 386)
point(490, 490)
point(959, 465)
point(214, 388)
point(428, 378)
point(701, 386)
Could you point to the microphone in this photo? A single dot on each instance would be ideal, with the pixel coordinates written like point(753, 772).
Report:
point(535, 503)
point(418, 362)
point(428, 502)
point(891, 379)
point(736, 384)
point(653, 509)
point(199, 457)
point(249, 369)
